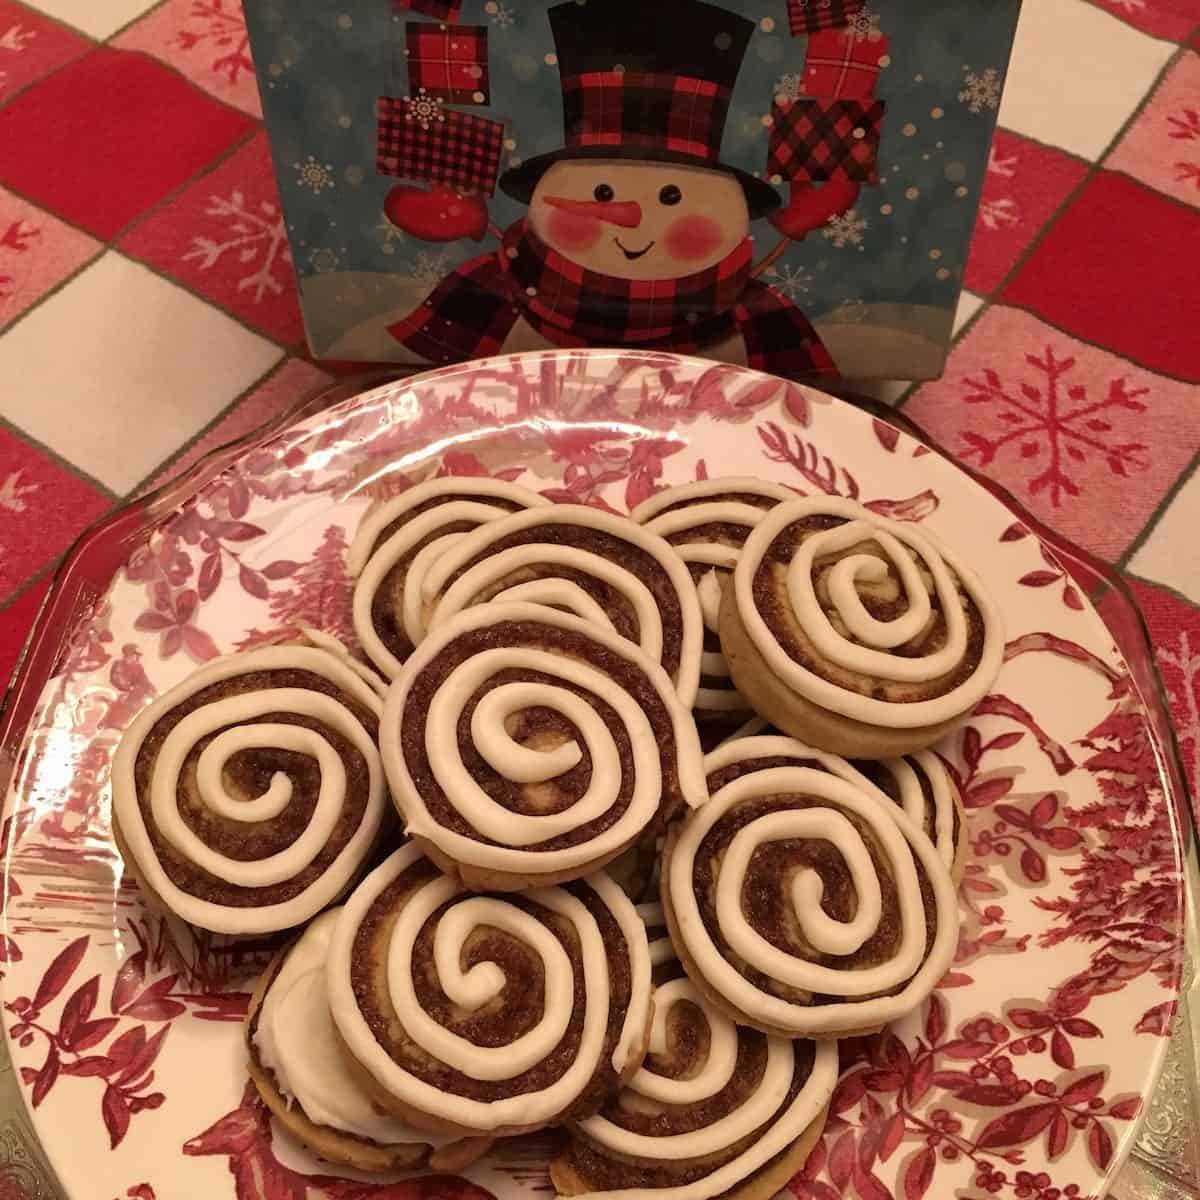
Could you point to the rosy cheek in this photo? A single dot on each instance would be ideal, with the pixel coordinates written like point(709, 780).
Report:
point(572, 232)
point(693, 237)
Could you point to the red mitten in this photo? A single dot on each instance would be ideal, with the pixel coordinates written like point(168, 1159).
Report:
point(811, 207)
point(441, 214)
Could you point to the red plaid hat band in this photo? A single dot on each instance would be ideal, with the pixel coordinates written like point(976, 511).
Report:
point(676, 113)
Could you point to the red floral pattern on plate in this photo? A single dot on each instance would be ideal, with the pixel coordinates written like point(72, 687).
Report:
point(1074, 869)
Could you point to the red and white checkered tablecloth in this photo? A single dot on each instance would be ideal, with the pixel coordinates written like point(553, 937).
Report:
point(148, 309)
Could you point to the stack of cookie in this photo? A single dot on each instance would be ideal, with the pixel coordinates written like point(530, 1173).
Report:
point(580, 919)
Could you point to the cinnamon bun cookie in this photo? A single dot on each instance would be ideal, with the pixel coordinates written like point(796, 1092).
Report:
point(299, 1069)
point(716, 1110)
point(248, 797)
point(855, 633)
point(707, 523)
point(396, 544)
point(578, 559)
point(921, 785)
point(527, 746)
point(803, 904)
point(470, 1014)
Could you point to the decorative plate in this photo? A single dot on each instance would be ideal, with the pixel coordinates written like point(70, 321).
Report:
point(1022, 1077)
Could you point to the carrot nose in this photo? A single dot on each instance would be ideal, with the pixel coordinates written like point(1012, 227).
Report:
point(627, 213)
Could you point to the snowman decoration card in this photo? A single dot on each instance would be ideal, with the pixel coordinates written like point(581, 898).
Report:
point(787, 184)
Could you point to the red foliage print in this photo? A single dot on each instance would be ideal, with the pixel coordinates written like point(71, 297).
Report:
point(244, 1137)
point(18, 238)
point(1053, 421)
point(1053, 574)
point(80, 1045)
point(824, 477)
point(319, 595)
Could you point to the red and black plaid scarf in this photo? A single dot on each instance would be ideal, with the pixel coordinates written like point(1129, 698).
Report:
point(473, 310)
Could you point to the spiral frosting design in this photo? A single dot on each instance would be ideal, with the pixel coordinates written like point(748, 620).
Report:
point(487, 1013)
point(707, 523)
point(711, 1106)
point(867, 617)
point(249, 796)
point(921, 785)
point(397, 544)
point(808, 904)
point(523, 740)
point(578, 559)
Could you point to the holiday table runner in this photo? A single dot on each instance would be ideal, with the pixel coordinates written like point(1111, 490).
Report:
point(148, 309)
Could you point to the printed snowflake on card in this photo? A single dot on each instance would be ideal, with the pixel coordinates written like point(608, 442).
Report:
point(314, 175)
point(792, 282)
point(1054, 421)
point(254, 234)
point(864, 26)
point(846, 229)
point(981, 89)
point(789, 86)
point(501, 14)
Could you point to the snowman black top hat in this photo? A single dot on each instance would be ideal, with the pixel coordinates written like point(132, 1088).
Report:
point(646, 79)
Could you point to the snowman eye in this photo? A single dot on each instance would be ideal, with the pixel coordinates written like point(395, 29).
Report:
point(603, 193)
point(670, 195)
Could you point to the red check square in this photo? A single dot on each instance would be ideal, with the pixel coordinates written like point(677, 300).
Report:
point(843, 65)
point(419, 139)
point(448, 62)
point(1118, 269)
point(110, 135)
point(32, 46)
point(1025, 184)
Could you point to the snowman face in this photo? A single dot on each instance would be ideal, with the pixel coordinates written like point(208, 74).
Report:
point(639, 220)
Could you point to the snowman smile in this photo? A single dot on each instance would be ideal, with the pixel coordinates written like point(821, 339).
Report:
point(634, 255)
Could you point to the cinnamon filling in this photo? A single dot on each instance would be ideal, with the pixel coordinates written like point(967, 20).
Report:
point(751, 498)
point(767, 903)
point(510, 1014)
point(403, 519)
point(887, 783)
point(387, 604)
point(606, 1169)
point(249, 773)
point(604, 545)
point(885, 601)
point(537, 727)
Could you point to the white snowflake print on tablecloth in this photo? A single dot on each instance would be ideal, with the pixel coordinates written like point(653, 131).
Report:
point(999, 214)
point(1054, 421)
point(219, 26)
point(252, 233)
point(501, 14)
point(847, 229)
point(789, 281)
point(14, 39)
point(981, 89)
point(314, 175)
point(14, 495)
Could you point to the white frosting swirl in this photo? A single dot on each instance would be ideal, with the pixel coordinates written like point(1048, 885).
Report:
point(910, 974)
point(472, 989)
point(766, 1108)
point(545, 569)
point(908, 773)
point(512, 831)
point(750, 747)
point(233, 725)
point(466, 501)
point(296, 1041)
point(721, 488)
point(864, 644)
